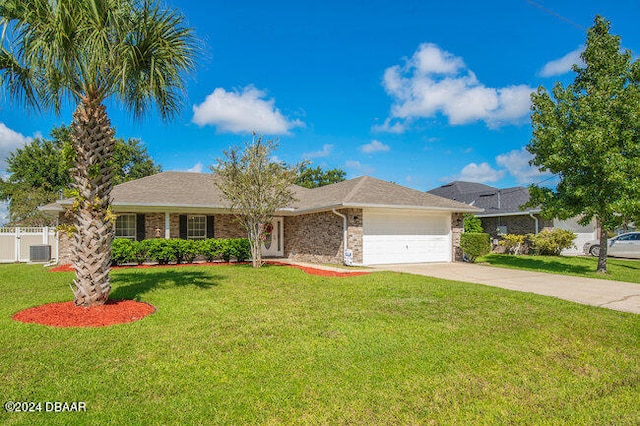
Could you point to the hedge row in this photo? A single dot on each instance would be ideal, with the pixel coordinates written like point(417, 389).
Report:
point(162, 251)
point(547, 243)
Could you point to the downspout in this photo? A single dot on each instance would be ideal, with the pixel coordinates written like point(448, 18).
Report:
point(535, 219)
point(344, 228)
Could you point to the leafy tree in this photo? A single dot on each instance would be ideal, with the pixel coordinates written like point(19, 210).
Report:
point(41, 169)
point(314, 177)
point(472, 223)
point(588, 134)
point(88, 51)
point(256, 187)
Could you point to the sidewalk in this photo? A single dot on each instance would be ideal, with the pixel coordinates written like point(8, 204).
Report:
point(617, 295)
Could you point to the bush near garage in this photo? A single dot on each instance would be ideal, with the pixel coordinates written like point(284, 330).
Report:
point(475, 244)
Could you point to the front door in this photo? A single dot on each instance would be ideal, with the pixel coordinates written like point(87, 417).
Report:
point(272, 245)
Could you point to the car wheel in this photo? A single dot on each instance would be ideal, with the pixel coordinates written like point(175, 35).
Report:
point(595, 251)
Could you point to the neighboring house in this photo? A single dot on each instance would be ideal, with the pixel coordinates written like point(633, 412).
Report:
point(379, 221)
point(503, 213)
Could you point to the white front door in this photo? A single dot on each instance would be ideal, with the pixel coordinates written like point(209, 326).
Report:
point(272, 245)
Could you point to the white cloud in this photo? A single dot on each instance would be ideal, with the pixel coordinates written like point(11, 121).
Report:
point(358, 168)
point(434, 81)
point(389, 127)
point(481, 173)
point(197, 168)
point(517, 164)
point(563, 65)
point(326, 150)
point(10, 140)
point(374, 146)
point(242, 112)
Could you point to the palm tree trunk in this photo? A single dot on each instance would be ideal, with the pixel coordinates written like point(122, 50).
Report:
point(92, 138)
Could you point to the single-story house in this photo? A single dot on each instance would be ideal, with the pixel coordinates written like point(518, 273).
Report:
point(502, 212)
point(380, 222)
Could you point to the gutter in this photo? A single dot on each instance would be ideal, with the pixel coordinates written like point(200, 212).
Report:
point(344, 228)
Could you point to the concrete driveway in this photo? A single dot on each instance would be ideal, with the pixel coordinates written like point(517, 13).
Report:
point(620, 296)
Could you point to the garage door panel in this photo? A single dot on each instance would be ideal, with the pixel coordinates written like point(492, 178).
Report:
point(406, 238)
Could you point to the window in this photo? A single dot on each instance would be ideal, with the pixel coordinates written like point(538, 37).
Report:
point(126, 226)
point(196, 227)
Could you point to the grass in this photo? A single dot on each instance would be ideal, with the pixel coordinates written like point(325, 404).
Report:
point(617, 269)
point(233, 345)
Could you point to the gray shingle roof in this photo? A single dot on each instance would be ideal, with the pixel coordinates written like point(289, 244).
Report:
point(198, 190)
point(494, 201)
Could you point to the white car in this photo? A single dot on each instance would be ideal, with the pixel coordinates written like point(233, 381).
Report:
point(624, 245)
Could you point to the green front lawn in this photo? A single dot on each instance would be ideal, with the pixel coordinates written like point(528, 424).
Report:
point(230, 344)
point(617, 269)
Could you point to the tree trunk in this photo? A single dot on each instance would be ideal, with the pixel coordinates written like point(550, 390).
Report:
point(92, 138)
point(602, 257)
point(256, 244)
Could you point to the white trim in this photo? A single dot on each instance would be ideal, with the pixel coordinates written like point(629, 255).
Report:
point(167, 225)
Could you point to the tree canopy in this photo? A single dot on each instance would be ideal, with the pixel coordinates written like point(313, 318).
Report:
point(255, 187)
point(588, 135)
point(314, 177)
point(40, 171)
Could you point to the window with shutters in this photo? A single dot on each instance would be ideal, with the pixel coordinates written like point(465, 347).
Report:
point(126, 226)
point(196, 227)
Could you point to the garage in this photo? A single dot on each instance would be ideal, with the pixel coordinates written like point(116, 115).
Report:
point(405, 237)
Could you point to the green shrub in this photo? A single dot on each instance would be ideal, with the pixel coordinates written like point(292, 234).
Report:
point(211, 248)
point(475, 244)
point(183, 250)
point(552, 242)
point(159, 250)
point(472, 223)
point(238, 248)
point(241, 249)
point(514, 243)
point(123, 250)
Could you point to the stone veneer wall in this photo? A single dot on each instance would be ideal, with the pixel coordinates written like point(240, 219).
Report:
point(317, 237)
point(521, 224)
point(457, 228)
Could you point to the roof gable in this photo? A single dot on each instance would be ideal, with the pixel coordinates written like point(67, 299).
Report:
point(184, 190)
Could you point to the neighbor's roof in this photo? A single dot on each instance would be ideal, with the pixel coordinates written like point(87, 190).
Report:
point(494, 201)
point(183, 191)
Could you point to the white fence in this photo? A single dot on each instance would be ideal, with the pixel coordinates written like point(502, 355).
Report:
point(15, 242)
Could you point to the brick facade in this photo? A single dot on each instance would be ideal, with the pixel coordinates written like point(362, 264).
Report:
point(317, 237)
point(520, 224)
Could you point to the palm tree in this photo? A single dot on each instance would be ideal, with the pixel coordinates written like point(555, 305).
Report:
point(87, 51)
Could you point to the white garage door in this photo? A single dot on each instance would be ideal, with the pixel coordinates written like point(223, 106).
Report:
point(392, 237)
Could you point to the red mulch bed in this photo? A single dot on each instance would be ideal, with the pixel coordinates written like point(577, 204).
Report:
point(67, 314)
point(308, 270)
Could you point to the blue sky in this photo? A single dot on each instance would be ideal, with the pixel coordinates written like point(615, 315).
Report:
point(414, 92)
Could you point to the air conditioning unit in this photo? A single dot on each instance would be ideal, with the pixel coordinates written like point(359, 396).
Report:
point(40, 253)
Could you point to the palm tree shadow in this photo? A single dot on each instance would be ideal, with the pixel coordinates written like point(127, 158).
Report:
point(132, 285)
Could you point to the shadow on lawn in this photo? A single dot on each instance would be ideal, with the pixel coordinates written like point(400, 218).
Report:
point(133, 284)
point(544, 264)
